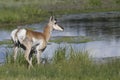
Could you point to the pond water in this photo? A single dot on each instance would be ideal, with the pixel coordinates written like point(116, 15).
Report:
point(105, 32)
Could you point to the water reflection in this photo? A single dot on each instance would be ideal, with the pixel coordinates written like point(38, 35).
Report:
point(95, 29)
point(2, 53)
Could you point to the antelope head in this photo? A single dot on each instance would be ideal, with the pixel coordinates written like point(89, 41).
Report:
point(54, 25)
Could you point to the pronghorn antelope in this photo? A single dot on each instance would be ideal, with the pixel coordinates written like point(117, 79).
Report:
point(33, 41)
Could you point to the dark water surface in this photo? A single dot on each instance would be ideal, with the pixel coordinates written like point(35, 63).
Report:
point(104, 28)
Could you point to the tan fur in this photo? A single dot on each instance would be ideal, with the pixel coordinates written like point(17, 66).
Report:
point(38, 35)
point(47, 32)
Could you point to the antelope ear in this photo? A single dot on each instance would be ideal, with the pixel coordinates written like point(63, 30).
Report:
point(51, 18)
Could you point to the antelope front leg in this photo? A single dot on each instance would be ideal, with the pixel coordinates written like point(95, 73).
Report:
point(38, 56)
point(40, 48)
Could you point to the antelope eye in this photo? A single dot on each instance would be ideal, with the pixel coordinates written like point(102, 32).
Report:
point(55, 22)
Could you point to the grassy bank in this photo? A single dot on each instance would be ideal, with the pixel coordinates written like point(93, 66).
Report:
point(71, 39)
point(66, 39)
point(77, 67)
point(18, 12)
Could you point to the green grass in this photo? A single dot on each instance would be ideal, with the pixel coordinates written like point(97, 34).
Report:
point(19, 12)
point(77, 67)
point(67, 39)
point(6, 42)
point(71, 39)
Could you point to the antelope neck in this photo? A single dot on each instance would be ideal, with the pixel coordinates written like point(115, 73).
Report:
point(47, 32)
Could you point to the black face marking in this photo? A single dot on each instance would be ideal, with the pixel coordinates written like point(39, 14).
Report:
point(62, 28)
point(55, 22)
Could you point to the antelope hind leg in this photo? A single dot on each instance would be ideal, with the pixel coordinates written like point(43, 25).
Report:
point(15, 52)
point(27, 56)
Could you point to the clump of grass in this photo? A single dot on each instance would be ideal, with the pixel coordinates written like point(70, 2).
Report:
point(76, 66)
point(20, 61)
